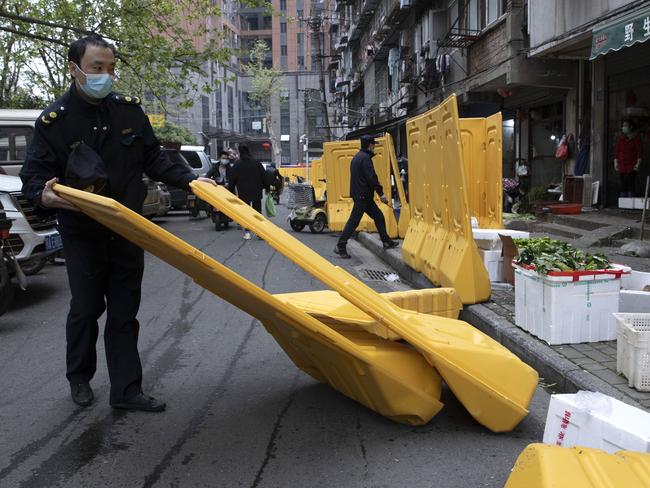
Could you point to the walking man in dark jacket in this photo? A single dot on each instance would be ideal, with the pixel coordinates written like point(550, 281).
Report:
point(92, 130)
point(248, 178)
point(363, 185)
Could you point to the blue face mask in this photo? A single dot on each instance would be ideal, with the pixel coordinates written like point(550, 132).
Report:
point(97, 86)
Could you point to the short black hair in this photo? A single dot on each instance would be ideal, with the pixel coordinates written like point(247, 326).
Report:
point(226, 153)
point(78, 47)
point(244, 152)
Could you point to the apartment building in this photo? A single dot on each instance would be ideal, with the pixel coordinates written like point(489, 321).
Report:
point(227, 116)
point(536, 61)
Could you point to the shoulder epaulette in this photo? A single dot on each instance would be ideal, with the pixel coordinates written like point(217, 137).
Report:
point(52, 114)
point(126, 99)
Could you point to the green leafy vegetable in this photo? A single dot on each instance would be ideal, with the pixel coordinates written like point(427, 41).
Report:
point(547, 255)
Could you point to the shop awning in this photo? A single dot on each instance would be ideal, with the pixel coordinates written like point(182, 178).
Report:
point(631, 29)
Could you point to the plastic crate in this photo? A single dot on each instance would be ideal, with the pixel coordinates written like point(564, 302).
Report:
point(568, 307)
point(633, 348)
point(590, 419)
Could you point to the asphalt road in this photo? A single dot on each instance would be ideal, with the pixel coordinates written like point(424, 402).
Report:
point(240, 414)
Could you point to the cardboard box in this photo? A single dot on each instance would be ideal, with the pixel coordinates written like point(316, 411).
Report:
point(509, 251)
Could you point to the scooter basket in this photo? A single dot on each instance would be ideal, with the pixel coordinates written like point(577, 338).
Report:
point(300, 195)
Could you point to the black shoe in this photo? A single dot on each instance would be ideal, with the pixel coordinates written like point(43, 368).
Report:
point(390, 244)
point(141, 402)
point(342, 252)
point(82, 394)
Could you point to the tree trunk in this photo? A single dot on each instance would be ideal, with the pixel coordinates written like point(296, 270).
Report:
point(276, 148)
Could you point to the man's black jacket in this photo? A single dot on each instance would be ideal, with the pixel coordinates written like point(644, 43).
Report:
point(363, 179)
point(248, 177)
point(119, 131)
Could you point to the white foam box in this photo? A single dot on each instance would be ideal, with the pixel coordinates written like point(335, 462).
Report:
point(597, 421)
point(558, 310)
point(493, 261)
point(626, 203)
point(489, 240)
point(638, 203)
point(632, 298)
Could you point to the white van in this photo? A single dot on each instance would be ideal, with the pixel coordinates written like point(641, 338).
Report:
point(16, 131)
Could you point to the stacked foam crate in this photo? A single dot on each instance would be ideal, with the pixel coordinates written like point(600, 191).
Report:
point(491, 250)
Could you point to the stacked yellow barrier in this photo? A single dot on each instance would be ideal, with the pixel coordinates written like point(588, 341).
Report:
point(439, 240)
point(317, 178)
point(482, 161)
point(336, 161)
point(544, 466)
point(292, 171)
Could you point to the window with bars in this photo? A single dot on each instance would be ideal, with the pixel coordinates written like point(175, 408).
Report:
point(283, 27)
point(283, 50)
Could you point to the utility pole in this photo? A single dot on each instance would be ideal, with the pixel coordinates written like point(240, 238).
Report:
point(315, 23)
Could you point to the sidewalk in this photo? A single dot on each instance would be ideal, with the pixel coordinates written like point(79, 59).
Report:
point(565, 369)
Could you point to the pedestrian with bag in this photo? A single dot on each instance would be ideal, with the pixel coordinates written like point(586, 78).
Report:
point(363, 185)
point(97, 140)
point(249, 179)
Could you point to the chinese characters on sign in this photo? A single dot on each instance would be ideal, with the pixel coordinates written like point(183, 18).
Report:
point(633, 29)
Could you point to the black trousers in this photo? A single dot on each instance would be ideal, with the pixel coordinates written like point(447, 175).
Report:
point(360, 207)
point(628, 181)
point(104, 273)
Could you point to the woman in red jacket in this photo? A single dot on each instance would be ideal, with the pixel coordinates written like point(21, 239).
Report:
point(629, 151)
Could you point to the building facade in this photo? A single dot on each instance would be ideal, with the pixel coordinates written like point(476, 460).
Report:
point(298, 44)
point(536, 61)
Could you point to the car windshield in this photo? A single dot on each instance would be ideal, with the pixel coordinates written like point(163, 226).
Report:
point(176, 157)
point(193, 158)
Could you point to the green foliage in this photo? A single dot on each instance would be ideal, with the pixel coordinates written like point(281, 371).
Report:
point(166, 48)
point(171, 132)
point(265, 82)
point(547, 255)
point(22, 99)
point(537, 194)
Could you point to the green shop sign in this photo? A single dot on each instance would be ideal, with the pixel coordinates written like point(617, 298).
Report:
point(630, 30)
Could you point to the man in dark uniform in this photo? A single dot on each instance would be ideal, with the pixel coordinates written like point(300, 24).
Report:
point(363, 185)
point(104, 270)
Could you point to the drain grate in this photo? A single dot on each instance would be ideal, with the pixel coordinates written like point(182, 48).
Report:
point(378, 275)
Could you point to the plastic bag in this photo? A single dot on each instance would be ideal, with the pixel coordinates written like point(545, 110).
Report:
point(562, 151)
point(269, 206)
point(594, 402)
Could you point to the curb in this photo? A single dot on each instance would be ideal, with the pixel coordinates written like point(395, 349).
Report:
point(557, 372)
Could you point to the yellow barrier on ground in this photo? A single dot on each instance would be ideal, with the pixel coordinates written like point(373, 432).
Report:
point(439, 240)
point(292, 171)
point(332, 309)
point(336, 161)
point(545, 466)
point(482, 160)
point(317, 178)
point(405, 210)
point(492, 383)
point(388, 377)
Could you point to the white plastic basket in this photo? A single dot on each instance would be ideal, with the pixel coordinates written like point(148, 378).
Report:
point(633, 348)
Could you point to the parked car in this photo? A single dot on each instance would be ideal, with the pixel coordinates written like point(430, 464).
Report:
point(31, 238)
point(197, 158)
point(6, 263)
point(158, 201)
point(16, 132)
point(178, 195)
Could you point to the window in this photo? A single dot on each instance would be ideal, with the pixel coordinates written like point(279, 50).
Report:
point(299, 14)
point(283, 27)
point(283, 50)
point(267, 22)
point(285, 148)
point(481, 13)
point(301, 62)
point(299, 38)
point(13, 144)
point(193, 158)
point(231, 108)
point(217, 109)
point(283, 5)
point(285, 117)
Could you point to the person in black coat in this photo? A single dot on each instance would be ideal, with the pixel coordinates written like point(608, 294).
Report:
point(363, 185)
point(249, 179)
point(92, 130)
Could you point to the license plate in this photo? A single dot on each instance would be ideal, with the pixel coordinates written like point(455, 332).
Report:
point(53, 242)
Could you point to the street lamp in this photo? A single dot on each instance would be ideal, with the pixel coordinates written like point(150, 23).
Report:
point(305, 140)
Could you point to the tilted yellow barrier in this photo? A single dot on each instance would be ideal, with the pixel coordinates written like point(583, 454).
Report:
point(492, 383)
point(481, 142)
point(336, 160)
point(439, 241)
point(332, 309)
point(544, 466)
point(405, 210)
point(388, 377)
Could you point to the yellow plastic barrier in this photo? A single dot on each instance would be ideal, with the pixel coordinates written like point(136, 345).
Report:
point(388, 377)
point(405, 210)
point(292, 171)
point(494, 173)
point(481, 142)
point(439, 240)
point(317, 178)
point(492, 383)
point(336, 160)
point(332, 309)
point(545, 466)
